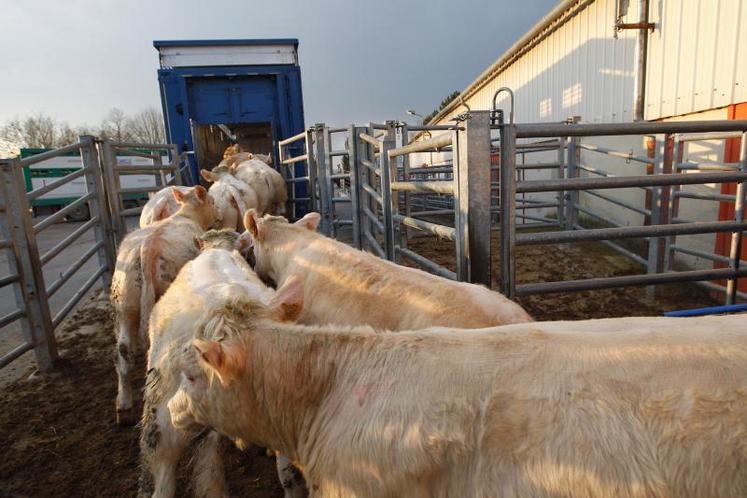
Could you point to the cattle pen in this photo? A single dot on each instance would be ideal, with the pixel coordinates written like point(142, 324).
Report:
point(426, 196)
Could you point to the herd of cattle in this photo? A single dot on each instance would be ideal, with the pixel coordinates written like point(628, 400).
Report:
point(369, 379)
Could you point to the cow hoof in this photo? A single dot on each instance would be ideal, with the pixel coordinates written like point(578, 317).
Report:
point(126, 418)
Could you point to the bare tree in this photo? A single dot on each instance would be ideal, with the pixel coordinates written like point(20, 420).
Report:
point(39, 131)
point(114, 126)
point(147, 126)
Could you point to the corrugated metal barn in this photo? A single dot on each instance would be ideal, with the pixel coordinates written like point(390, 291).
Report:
point(603, 61)
point(574, 62)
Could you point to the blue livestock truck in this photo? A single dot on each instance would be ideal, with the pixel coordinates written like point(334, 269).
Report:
point(216, 93)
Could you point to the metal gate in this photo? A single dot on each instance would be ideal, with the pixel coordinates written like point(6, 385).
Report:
point(20, 232)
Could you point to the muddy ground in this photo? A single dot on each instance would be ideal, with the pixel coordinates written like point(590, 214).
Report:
point(58, 435)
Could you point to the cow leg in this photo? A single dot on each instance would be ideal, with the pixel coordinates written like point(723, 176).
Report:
point(161, 447)
point(208, 476)
point(127, 330)
point(290, 478)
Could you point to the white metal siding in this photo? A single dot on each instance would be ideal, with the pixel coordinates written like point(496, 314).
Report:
point(696, 56)
point(696, 61)
point(580, 69)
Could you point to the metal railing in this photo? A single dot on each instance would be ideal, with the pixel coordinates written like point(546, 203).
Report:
point(20, 232)
point(164, 175)
point(299, 172)
point(662, 224)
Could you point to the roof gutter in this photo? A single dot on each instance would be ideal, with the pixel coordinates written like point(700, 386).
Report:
point(556, 18)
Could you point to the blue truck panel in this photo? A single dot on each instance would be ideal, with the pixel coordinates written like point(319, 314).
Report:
point(260, 103)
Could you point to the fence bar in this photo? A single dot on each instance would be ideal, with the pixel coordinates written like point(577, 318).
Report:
point(696, 137)
point(735, 247)
point(54, 218)
point(431, 170)
point(433, 212)
point(389, 199)
point(701, 254)
point(37, 158)
point(144, 169)
point(353, 164)
point(427, 263)
point(9, 279)
point(629, 254)
point(296, 159)
point(720, 289)
point(619, 202)
point(373, 244)
point(614, 153)
point(71, 270)
point(64, 243)
point(102, 231)
point(629, 232)
point(77, 296)
point(472, 198)
point(637, 128)
point(132, 145)
point(374, 142)
point(626, 281)
point(327, 193)
point(627, 182)
point(705, 197)
point(374, 219)
point(37, 327)
point(15, 353)
point(292, 139)
point(372, 193)
point(441, 231)
point(437, 187)
point(11, 317)
point(423, 145)
point(508, 209)
point(139, 190)
point(370, 165)
point(35, 194)
point(538, 166)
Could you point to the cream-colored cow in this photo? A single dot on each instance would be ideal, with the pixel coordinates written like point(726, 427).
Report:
point(352, 287)
point(213, 280)
point(270, 185)
point(147, 262)
point(232, 197)
point(161, 205)
point(633, 407)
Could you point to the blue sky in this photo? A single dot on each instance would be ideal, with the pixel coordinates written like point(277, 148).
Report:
point(360, 61)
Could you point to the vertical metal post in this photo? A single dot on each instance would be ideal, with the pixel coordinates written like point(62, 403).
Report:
point(21, 226)
point(113, 189)
point(176, 161)
point(332, 231)
point(320, 161)
point(160, 174)
point(388, 197)
point(311, 168)
point(97, 206)
point(353, 162)
point(674, 203)
point(561, 175)
point(735, 248)
point(472, 198)
point(571, 198)
point(653, 243)
point(508, 209)
point(404, 139)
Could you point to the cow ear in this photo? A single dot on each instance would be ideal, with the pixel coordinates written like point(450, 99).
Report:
point(207, 175)
point(161, 210)
point(201, 193)
point(287, 303)
point(221, 358)
point(250, 223)
point(178, 195)
point(310, 221)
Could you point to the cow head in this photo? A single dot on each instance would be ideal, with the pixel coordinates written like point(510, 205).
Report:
point(197, 205)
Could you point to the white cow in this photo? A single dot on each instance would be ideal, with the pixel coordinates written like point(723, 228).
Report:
point(232, 197)
point(353, 287)
point(635, 407)
point(160, 206)
point(270, 186)
point(147, 262)
point(217, 278)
